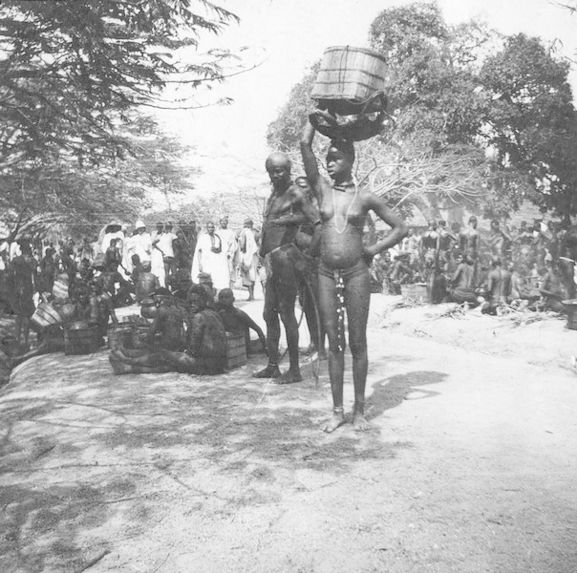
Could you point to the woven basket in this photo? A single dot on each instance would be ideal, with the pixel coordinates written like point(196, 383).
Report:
point(348, 77)
point(46, 315)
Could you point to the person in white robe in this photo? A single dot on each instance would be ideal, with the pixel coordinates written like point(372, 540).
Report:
point(248, 257)
point(210, 257)
point(230, 246)
point(156, 258)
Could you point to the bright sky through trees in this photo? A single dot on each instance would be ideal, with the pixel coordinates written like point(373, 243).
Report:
point(288, 36)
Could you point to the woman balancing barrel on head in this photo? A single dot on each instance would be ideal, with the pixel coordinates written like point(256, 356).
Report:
point(344, 208)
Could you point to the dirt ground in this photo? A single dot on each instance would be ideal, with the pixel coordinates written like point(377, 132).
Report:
point(470, 466)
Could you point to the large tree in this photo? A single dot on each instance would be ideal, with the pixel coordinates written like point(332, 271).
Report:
point(532, 124)
point(475, 118)
point(74, 75)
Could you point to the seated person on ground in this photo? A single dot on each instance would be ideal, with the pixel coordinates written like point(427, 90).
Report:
point(101, 307)
point(137, 267)
point(205, 348)
point(552, 288)
point(401, 273)
point(498, 287)
point(168, 328)
point(521, 288)
point(237, 321)
point(462, 282)
point(145, 283)
point(110, 279)
point(179, 283)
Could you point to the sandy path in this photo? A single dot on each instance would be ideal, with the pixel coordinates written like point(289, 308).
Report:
point(470, 467)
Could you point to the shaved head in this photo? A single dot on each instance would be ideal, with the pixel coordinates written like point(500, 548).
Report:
point(278, 159)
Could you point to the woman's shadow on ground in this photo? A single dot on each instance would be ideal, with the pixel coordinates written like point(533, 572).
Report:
point(388, 393)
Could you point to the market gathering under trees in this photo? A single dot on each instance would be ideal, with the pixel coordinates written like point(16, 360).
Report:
point(475, 118)
point(448, 178)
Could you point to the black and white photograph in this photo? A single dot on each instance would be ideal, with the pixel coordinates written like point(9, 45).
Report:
point(288, 286)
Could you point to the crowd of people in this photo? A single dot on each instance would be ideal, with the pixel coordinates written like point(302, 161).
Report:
point(122, 266)
point(520, 266)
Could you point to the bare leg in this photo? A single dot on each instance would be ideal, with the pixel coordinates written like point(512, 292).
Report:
point(328, 307)
point(357, 300)
point(132, 352)
point(144, 364)
point(19, 329)
point(181, 362)
point(119, 366)
point(293, 374)
point(271, 318)
point(251, 291)
point(26, 329)
point(309, 303)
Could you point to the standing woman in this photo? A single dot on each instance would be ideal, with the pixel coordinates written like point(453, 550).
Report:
point(343, 256)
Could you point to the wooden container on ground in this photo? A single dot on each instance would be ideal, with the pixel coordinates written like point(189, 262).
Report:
point(46, 315)
point(81, 339)
point(119, 335)
point(235, 351)
point(416, 293)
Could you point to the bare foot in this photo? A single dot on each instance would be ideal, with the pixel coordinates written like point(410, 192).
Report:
point(360, 423)
point(117, 354)
point(119, 367)
point(289, 377)
point(337, 420)
point(271, 371)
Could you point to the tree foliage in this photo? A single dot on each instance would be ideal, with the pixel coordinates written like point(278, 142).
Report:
point(75, 77)
point(533, 124)
point(91, 195)
point(70, 71)
point(475, 118)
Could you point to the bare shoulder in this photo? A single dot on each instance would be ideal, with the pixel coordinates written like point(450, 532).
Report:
point(296, 193)
point(372, 201)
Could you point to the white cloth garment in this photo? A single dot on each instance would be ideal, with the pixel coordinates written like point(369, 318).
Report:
point(248, 256)
point(206, 260)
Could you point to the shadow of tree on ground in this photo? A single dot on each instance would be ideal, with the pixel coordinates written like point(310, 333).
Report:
point(82, 449)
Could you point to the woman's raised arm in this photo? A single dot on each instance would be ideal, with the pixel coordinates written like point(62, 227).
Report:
point(309, 159)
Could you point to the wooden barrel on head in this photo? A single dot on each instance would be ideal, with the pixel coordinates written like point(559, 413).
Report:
point(80, 338)
point(348, 78)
